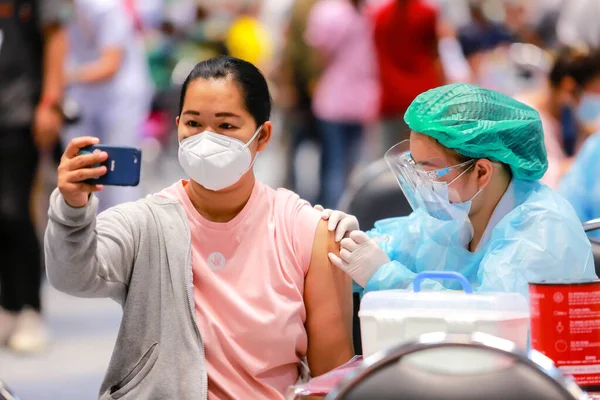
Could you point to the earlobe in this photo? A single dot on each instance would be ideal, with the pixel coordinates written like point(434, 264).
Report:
point(261, 141)
point(264, 136)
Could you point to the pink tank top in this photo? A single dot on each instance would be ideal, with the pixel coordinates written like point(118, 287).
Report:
point(248, 288)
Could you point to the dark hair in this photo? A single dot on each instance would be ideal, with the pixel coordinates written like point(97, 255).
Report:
point(251, 82)
point(578, 64)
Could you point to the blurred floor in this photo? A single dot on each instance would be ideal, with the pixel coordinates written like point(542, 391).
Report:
point(83, 334)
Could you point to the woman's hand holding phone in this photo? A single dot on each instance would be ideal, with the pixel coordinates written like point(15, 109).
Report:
point(74, 169)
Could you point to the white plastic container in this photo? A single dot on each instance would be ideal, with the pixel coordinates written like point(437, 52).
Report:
point(390, 317)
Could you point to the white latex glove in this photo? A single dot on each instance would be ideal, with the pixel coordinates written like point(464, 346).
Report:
point(360, 257)
point(338, 221)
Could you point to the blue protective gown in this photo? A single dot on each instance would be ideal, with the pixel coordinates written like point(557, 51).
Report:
point(538, 238)
point(581, 185)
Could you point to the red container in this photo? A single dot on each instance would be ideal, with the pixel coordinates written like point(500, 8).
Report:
point(565, 326)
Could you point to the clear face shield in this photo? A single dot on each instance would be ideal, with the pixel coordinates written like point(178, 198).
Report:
point(428, 188)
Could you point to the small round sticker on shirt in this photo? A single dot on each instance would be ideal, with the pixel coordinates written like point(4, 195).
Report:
point(216, 261)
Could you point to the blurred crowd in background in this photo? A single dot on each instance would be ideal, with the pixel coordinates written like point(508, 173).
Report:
point(341, 73)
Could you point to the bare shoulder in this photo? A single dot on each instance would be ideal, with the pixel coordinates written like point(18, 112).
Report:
point(324, 243)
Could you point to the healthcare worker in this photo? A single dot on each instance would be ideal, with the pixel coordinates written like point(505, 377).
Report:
point(470, 171)
point(581, 185)
point(569, 107)
point(108, 77)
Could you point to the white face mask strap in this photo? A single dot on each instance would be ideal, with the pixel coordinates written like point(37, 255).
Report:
point(256, 155)
point(476, 194)
point(254, 136)
point(461, 174)
point(252, 163)
point(464, 172)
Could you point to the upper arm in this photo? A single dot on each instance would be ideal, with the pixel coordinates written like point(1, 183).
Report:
point(86, 255)
point(113, 30)
point(328, 301)
point(53, 12)
point(113, 26)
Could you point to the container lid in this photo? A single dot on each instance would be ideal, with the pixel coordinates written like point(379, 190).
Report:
point(445, 300)
point(567, 282)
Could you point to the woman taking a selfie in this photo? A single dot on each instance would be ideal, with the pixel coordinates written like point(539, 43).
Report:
point(225, 283)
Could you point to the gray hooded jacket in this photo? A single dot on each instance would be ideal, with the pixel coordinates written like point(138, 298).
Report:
point(138, 254)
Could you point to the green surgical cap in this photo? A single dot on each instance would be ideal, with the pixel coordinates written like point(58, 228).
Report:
point(482, 123)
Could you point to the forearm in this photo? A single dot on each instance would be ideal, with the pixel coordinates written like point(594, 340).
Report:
point(55, 49)
point(76, 262)
point(439, 70)
point(95, 72)
point(104, 69)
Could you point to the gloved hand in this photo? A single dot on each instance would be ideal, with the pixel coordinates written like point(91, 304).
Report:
point(360, 257)
point(339, 221)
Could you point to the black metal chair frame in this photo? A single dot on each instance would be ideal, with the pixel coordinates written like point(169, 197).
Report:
point(590, 226)
point(532, 359)
point(361, 178)
point(5, 393)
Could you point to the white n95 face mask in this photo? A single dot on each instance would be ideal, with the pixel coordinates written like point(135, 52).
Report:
point(215, 161)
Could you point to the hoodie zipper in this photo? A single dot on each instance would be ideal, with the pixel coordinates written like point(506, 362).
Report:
point(190, 295)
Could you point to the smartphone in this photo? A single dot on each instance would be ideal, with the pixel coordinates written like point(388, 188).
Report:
point(123, 165)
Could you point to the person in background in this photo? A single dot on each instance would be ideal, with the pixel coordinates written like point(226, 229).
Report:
point(483, 43)
point(482, 34)
point(578, 23)
point(455, 66)
point(32, 51)
point(224, 282)
point(347, 92)
point(406, 44)
point(570, 98)
point(108, 77)
point(581, 185)
point(296, 79)
point(535, 22)
point(247, 38)
point(146, 14)
point(275, 15)
point(588, 104)
point(471, 172)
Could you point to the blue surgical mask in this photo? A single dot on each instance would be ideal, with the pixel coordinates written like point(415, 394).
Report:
point(435, 201)
point(438, 204)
